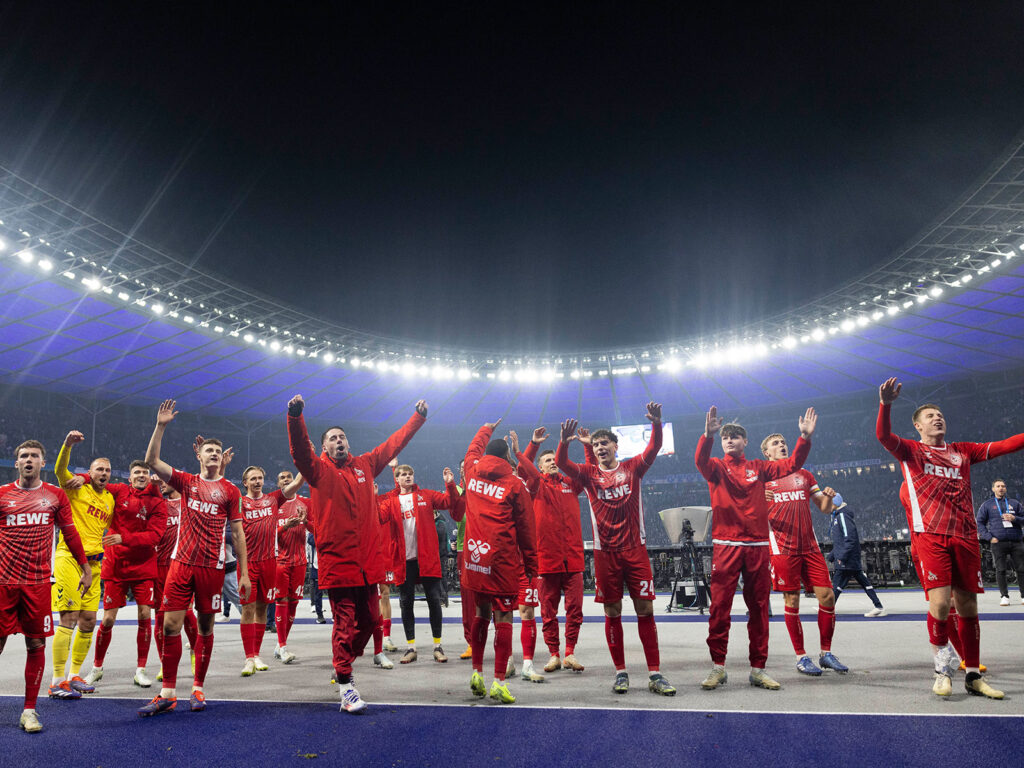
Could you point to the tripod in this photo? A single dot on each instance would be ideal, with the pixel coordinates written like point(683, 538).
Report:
point(689, 549)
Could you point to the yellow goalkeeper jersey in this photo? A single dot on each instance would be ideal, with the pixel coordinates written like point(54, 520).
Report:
point(90, 510)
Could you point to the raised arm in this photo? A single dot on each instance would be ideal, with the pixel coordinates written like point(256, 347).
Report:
point(298, 443)
point(479, 443)
point(702, 459)
point(164, 416)
point(526, 529)
point(562, 461)
point(529, 472)
point(288, 490)
point(382, 455)
point(64, 456)
point(654, 444)
point(887, 393)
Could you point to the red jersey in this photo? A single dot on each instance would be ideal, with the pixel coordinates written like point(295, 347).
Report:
point(736, 485)
point(207, 507)
point(259, 521)
point(616, 506)
point(500, 529)
point(938, 495)
point(140, 519)
point(27, 520)
point(556, 508)
point(792, 531)
point(169, 537)
point(291, 542)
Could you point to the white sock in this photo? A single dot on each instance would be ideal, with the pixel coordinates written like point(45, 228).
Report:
point(720, 667)
point(197, 688)
point(167, 693)
point(139, 670)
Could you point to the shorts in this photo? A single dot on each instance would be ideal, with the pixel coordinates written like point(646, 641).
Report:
point(391, 577)
point(528, 592)
point(263, 575)
point(788, 571)
point(25, 609)
point(629, 566)
point(506, 603)
point(64, 590)
point(115, 593)
point(944, 561)
point(290, 581)
point(185, 582)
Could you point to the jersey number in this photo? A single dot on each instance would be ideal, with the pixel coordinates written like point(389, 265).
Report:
point(215, 602)
point(531, 595)
point(47, 622)
point(647, 588)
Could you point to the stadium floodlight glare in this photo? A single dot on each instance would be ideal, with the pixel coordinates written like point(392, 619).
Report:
point(408, 369)
point(26, 256)
point(789, 342)
point(893, 309)
point(3, 245)
point(673, 365)
point(249, 338)
point(157, 309)
point(922, 298)
point(275, 345)
point(966, 277)
point(355, 362)
point(69, 275)
point(935, 292)
point(700, 361)
point(877, 315)
point(382, 365)
point(45, 264)
point(328, 358)
point(863, 320)
point(465, 374)
point(91, 283)
point(818, 334)
point(189, 319)
point(218, 328)
point(575, 374)
point(504, 374)
point(908, 303)
point(848, 325)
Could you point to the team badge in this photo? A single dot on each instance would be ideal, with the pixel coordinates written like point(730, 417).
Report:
point(215, 495)
point(955, 458)
point(798, 481)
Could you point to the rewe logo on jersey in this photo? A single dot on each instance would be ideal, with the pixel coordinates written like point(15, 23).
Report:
point(785, 496)
point(950, 472)
point(203, 506)
point(29, 518)
point(477, 548)
point(611, 494)
point(493, 490)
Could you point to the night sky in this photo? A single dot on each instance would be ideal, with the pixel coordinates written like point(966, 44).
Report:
point(517, 178)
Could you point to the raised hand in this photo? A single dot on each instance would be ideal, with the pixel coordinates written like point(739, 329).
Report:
point(807, 423)
point(513, 441)
point(713, 422)
point(540, 434)
point(225, 459)
point(393, 463)
point(74, 436)
point(447, 475)
point(492, 425)
point(584, 435)
point(166, 413)
point(829, 492)
point(197, 444)
point(295, 405)
point(653, 412)
point(889, 391)
point(74, 483)
point(568, 430)
point(421, 408)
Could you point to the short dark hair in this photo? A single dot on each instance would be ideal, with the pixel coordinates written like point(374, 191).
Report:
point(138, 463)
point(323, 437)
point(545, 453)
point(732, 429)
point(997, 480)
point(606, 433)
point(924, 407)
point(211, 441)
point(497, 448)
point(30, 444)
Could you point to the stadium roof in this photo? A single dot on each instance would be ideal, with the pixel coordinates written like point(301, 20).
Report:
point(91, 311)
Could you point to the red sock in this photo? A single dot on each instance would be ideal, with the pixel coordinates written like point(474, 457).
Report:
point(378, 637)
point(158, 633)
point(247, 636)
point(970, 637)
point(938, 631)
point(203, 654)
point(613, 634)
point(954, 632)
point(796, 630)
point(282, 619)
point(528, 638)
point(387, 627)
point(35, 662)
point(502, 648)
point(142, 639)
point(826, 626)
point(191, 628)
point(479, 641)
point(570, 650)
point(259, 630)
point(102, 643)
point(649, 640)
point(293, 606)
point(170, 659)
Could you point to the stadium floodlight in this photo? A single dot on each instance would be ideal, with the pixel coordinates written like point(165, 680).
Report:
point(218, 328)
point(575, 374)
point(863, 320)
point(848, 325)
point(275, 345)
point(249, 338)
point(818, 334)
point(69, 275)
point(355, 362)
point(966, 277)
point(328, 358)
point(995, 263)
point(877, 315)
point(465, 374)
point(789, 342)
point(26, 256)
point(893, 309)
point(3, 245)
point(504, 374)
point(700, 361)
point(673, 364)
point(408, 369)
point(45, 264)
point(922, 298)
point(157, 309)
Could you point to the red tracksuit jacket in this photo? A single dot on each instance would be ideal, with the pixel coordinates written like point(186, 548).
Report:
point(141, 518)
point(428, 549)
point(556, 508)
point(500, 530)
point(344, 506)
point(739, 508)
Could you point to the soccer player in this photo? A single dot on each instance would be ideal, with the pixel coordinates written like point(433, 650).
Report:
point(164, 548)
point(129, 563)
point(500, 545)
point(944, 532)
point(92, 507)
point(795, 556)
point(260, 513)
point(556, 507)
point(347, 530)
point(740, 535)
point(209, 502)
point(291, 563)
point(416, 552)
point(29, 511)
point(390, 534)
point(620, 540)
point(466, 597)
